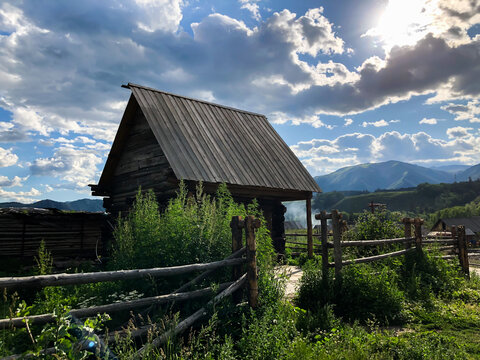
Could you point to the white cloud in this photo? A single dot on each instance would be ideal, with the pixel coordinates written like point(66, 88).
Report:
point(464, 112)
point(20, 196)
point(314, 120)
point(458, 132)
point(430, 121)
point(379, 123)
point(77, 166)
point(7, 158)
point(252, 6)
point(324, 156)
point(163, 15)
point(15, 181)
point(348, 122)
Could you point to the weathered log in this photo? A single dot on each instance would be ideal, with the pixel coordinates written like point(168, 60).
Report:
point(250, 225)
point(373, 258)
point(19, 322)
point(84, 278)
point(185, 324)
point(373, 242)
point(337, 247)
point(440, 241)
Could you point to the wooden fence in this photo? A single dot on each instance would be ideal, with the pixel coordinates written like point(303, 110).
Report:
point(66, 234)
point(454, 241)
point(235, 260)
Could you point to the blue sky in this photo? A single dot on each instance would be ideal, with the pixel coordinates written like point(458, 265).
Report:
point(343, 82)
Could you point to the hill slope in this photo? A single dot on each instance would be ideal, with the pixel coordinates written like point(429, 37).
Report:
point(77, 205)
point(385, 175)
point(472, 172)
point(424, 198)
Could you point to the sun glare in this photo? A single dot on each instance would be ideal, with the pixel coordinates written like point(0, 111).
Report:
point(404, 22)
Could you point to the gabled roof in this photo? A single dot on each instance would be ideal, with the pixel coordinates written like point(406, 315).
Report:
point(472, 223)
point(212, 143)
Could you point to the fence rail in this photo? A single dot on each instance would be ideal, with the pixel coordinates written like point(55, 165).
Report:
point(240, 279)
point(456, 240)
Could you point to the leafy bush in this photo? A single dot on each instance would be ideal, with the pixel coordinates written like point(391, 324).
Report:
point(192, 229)
point(379, 225)
point(362, 294)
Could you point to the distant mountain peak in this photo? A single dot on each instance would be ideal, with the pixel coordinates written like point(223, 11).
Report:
point(90, 205)
point(390, 174)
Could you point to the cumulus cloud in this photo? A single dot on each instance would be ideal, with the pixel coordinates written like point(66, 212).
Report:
point(430, 121)
point(324, 156)
point(15, 181)
point(77, 166)
point(379, 123)
point(348, 122)
point(7, 158)
point(469, 111)
point(252, 6)
point(20, 196)
point(9, 133)
point(458, 132)
point(314, 120)
point(51, 88)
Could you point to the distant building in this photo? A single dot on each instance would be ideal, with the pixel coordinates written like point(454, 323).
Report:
point(472, 226)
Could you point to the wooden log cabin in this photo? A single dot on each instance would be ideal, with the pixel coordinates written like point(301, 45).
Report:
point(163, 138)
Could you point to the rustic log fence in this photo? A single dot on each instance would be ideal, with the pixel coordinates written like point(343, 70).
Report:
point(240, 279)
point(452, 241)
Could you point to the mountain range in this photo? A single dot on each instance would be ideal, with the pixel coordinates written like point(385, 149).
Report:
point(77, 205)
point(393, 175)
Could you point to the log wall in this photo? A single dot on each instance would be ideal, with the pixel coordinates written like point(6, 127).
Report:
point(142, 163)
point(69, 234)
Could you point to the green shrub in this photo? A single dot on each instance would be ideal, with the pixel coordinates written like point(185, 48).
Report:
point(424, 275)
point(363, 293)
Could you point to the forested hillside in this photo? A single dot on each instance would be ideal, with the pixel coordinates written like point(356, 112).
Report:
point(425, 198)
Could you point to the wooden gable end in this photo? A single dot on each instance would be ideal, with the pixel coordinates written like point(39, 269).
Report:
point(136, 160)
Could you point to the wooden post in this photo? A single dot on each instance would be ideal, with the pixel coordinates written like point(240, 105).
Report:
point(337, 249)
point(408, 231)
point(250, 225)
point(236, 245)
point(324, 236)
point(462, 250)
point(418, 233)
point(309, 227)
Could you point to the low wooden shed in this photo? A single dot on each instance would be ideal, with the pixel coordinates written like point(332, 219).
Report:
point(163, 138)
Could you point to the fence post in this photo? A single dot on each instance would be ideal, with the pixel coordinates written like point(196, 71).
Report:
point(324, 236)
point(462, 250)
point(250, 225)
point(418, 233)
point(408, 231)
point(236, 225)
point(337, 249)
point(309, 228)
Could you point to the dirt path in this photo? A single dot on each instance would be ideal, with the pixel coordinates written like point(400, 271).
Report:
point(293, 274)
point(475, 270)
